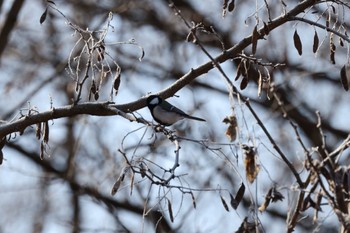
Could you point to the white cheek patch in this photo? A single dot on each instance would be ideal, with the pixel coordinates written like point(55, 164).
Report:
point(154, 101)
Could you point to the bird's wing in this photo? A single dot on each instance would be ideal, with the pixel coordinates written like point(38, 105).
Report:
point(172, 108)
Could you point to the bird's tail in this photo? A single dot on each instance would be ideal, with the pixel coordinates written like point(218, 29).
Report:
point(196, 118)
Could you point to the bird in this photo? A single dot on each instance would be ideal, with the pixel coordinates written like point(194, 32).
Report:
point(165, 113)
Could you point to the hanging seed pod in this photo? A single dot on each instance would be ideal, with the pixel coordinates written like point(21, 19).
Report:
point(345, 76)
point(297, 43)
point(341, 42)
point(97, 95)
point(2, 144)
point(38, 131)
point(116, 82)
point(231, 6)
point(255, 37)
point(224, 203)
point(42, 150)
point(224, 6)
point(316, 42)
point(239, 70)
point(332, 49)
point(46, 132)
point(244, 83)
point(193, 201)
point(170, 209)
point(43, 17)
point(239, 195)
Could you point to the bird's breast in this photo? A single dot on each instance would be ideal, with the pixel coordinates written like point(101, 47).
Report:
point(165, 117)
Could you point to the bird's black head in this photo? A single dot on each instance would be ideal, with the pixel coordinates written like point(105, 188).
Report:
point(153, 100)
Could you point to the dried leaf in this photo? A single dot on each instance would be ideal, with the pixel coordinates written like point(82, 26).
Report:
point(231, 131)
point(297, 43)
point(251, 167)
point(246, 227)
point(267, 200)
point(170, 209)
point(341, 42)
point(224, 203)
point(43, 16)
point(255, 37)
point(46, 132)
point(345, 76)
point(316, 43)
point(276, 195)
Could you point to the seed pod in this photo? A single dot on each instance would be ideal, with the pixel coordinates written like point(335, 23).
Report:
point(43, 16)
point(46, 132)
point(224, 6)
point(316, 42)
point(42, 150)
point(239, 71)
point(97, 95)
point(332, 49)
point(224, 203)
point(116, 82)
point(193, 201)
point(345, 76)
point(231, 6)
point(244, 83)
point(170, 209)
point(297, 42)
point(38, 131)
point(240, 194)
point(255, 37)
point(116, 186)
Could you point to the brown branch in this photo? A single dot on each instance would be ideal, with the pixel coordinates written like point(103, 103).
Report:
point(9, 24)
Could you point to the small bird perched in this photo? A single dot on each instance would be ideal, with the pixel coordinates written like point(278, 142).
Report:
point(165, 113)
